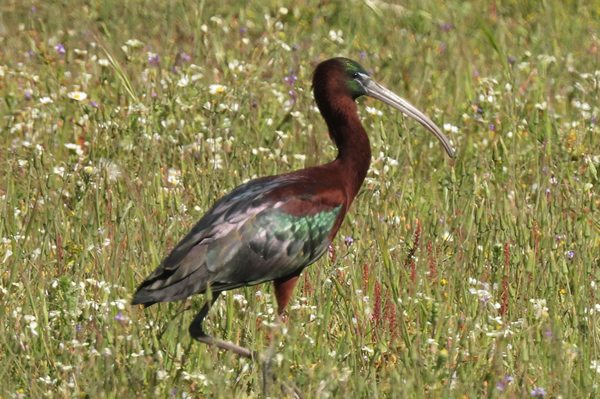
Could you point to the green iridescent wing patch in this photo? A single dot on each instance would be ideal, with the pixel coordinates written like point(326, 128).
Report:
point(296, 241)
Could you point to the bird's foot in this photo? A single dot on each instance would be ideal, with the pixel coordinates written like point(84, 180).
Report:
point(200, 336)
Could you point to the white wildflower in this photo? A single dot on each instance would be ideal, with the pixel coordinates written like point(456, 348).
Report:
point(539, 308)
point(174, 176)
point(595, 365)
point(450, 128)
point(184, 81)
point(447, 236)
point(373, 111)
point(216, 89)
point(161, 375)
point(7, 255)
point(47, 380)
point(368, 350)
point(77, 95)
point(75, 148)
point(31, 323)
point(483, 294)
point(113, 171)
point(336, 36)
point(134, 43)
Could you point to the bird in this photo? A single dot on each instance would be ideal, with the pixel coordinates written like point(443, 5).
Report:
point(272, 228)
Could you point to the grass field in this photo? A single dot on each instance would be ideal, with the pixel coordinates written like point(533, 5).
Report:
point(122, 121)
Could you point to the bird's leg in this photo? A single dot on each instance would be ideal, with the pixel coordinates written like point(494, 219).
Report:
point(283, 292)
point(198, 333)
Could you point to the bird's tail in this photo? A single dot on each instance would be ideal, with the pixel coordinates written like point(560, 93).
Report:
point(143, 297)
point(167, 285)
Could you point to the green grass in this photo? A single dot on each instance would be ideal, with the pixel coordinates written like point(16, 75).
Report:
point(505, 240)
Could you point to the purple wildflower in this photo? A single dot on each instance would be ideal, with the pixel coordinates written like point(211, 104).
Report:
point(94, 104)
point(362, 55)
point(538, 392)
point(501, 385)
point(293, 95)
point(511, 60)
point(27, 94)
point(185, 57)
point(348, 241)
point(291, 79)
point(153, 59)
point(570, 254)
point(446, 27)
point(492, 127)
point(60, 49)
point(120, 317)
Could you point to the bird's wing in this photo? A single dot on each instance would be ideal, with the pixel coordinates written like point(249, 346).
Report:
point(263, 230)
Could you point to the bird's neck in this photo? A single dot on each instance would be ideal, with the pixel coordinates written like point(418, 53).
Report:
point(354, 150)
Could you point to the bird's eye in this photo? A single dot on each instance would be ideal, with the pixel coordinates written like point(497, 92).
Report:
point(356, 75)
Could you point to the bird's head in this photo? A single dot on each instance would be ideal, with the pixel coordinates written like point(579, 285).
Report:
point(342, 77)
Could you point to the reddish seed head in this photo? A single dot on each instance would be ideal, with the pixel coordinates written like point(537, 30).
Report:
point(390, 315)
point(331, 253)
point(376, 317)
point(432, 266)
point(504, 295)
point(308, 289)
point(365, 277)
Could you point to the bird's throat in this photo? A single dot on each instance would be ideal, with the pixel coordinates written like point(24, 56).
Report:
point(354, 149)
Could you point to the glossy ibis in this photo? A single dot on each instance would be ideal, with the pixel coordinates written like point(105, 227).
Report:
point(271, 228)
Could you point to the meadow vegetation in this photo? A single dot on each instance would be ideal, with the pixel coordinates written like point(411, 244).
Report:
point(122, 121)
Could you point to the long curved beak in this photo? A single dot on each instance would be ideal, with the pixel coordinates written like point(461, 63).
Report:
point(379, 92)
